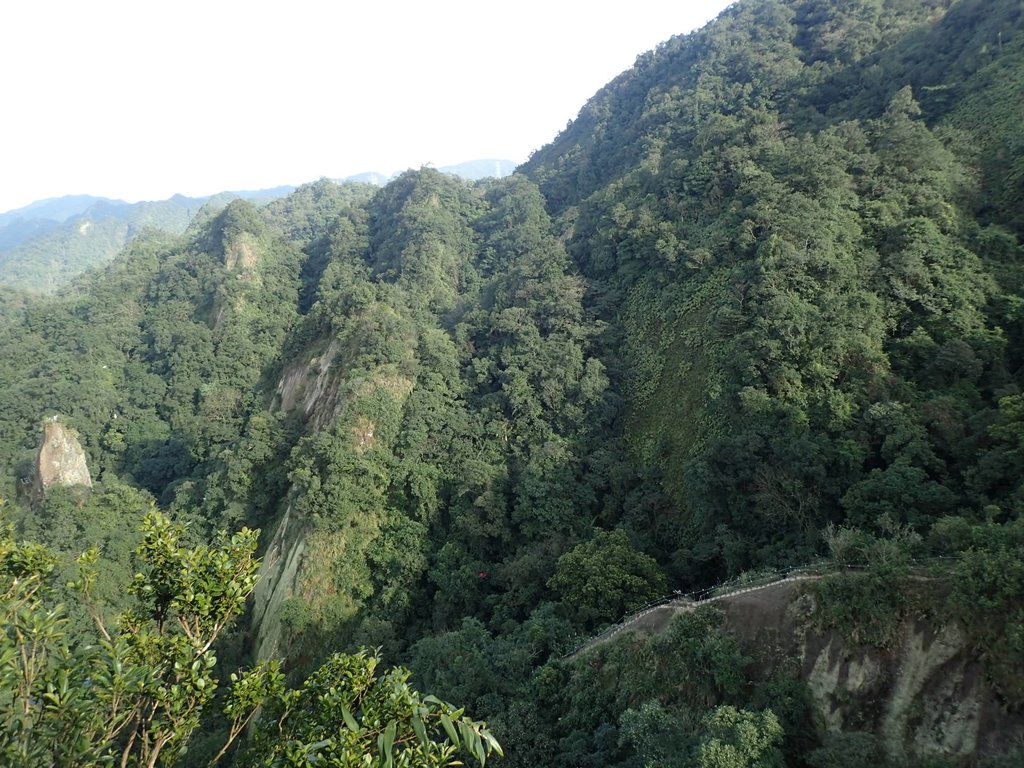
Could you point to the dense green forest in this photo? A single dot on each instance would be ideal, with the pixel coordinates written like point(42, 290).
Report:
point(760, 304)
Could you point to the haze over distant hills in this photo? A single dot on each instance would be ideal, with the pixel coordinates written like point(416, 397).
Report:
point(46, 243)
point(55, 208)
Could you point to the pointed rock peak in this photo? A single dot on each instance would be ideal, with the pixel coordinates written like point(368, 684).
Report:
point(60, 460)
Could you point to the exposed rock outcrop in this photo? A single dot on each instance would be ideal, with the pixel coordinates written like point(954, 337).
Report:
point(310, 386)
point(60, 460)
point(925, 697)
point(240, 253)
point(277, 581)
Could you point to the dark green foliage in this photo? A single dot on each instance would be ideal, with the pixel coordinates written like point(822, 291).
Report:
point(605, 578)
point(792, 285)
point(847, 750)
point(658, 737)
point(988, 596)
point(611, 705)
point(866, 608)
point(760, 303)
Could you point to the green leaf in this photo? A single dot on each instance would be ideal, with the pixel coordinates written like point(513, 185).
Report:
point(446, 722)
point(493, 742)
point(472, 741)
point(419, 728)
point(349, 720)
point(388, 743)
point(478, 751)
point(315, 747)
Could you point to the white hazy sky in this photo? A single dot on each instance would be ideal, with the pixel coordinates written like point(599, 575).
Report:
point(140, 99)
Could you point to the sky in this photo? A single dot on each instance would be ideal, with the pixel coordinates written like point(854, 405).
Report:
point(142, 99)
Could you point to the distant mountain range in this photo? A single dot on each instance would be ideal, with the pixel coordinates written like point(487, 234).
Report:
point(473, 170)
point(480, 169)
point(46, 243)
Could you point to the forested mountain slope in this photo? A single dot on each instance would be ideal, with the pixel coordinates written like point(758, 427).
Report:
point(817, 284)
point(759, 304)
point(45, 245)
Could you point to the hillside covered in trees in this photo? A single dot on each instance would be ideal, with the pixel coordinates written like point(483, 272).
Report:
point(760, 304)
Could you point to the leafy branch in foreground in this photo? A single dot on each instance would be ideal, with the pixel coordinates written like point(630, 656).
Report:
point(139, 692)
point(134, 697)
point(347, 715)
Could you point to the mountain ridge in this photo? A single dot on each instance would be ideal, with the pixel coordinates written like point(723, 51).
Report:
point(46, 244)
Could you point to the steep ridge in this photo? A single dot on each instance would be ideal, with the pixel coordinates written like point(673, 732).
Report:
point(787, 248)
point(369, 401)
point(655, 618)
point(926, 696)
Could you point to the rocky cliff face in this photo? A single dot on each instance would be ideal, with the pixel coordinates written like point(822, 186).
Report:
point(60, 460)
point(926, 697)
point(277, 582)
point(308, 387)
